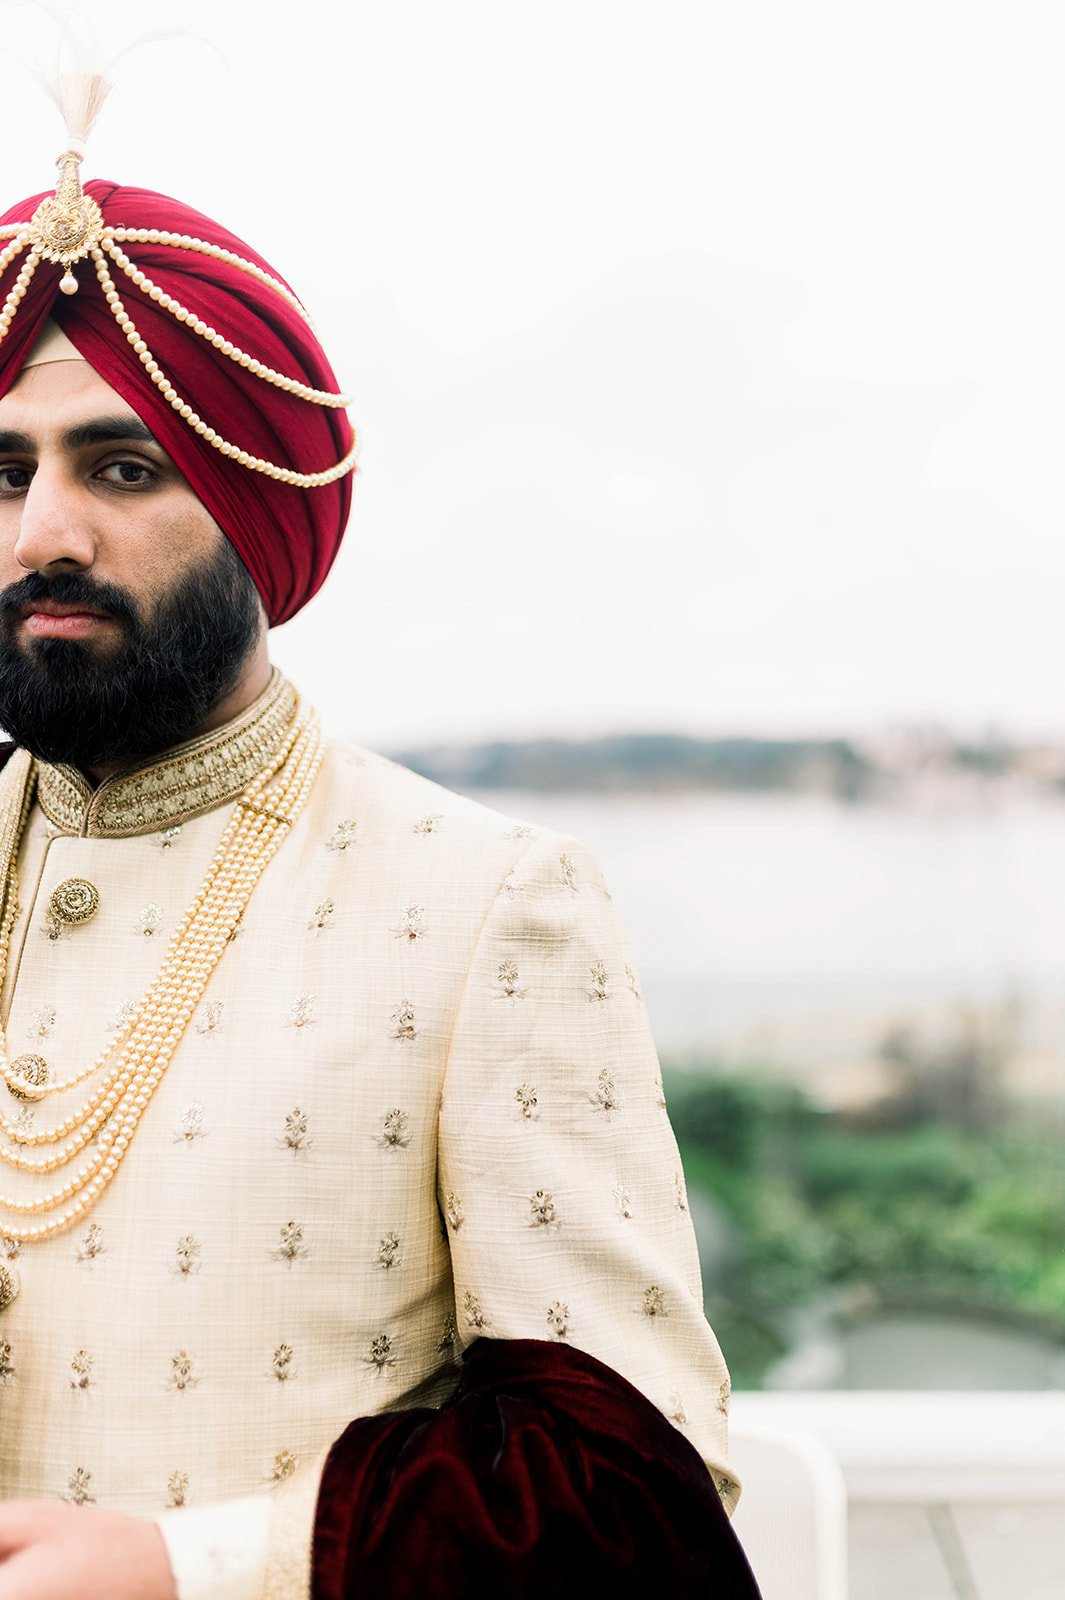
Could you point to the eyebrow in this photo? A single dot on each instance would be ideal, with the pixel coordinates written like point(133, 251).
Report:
point(100, 430)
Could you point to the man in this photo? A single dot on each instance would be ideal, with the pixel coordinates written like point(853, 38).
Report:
point(346, 1243)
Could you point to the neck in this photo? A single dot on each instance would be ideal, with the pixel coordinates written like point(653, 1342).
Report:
point(252, 682)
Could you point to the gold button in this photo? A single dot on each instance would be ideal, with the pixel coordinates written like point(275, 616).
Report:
point(74, 901)
point(33, 1074)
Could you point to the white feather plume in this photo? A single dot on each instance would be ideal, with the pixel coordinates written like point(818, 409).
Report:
point(85, 55)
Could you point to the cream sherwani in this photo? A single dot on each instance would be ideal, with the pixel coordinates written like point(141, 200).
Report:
point(418, 1104)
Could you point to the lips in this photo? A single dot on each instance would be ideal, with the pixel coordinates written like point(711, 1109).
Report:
point(50, 619)
point(52, 608)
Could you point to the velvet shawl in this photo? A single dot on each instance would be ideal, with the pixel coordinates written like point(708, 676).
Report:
point(547, 1474)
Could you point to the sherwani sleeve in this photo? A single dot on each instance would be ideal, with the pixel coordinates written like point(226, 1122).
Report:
point(587, 1438)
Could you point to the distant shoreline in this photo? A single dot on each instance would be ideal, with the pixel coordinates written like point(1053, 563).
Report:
point(656, 763)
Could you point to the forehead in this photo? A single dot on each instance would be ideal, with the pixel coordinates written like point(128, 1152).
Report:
point(45, 399)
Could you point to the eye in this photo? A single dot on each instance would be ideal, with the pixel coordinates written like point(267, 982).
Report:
point(14, 480)
point(127, 474)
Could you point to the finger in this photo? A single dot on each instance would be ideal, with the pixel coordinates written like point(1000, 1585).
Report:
point(28, 1522)
point(20, 1523)
point(27, 1575)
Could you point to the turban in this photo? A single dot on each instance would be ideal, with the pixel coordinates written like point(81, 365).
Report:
point(269, 448)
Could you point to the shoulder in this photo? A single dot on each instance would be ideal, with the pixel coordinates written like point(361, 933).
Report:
point(394, 796)
point(394, 811)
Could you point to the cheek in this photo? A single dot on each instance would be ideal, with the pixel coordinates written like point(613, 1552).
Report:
point(187, 537)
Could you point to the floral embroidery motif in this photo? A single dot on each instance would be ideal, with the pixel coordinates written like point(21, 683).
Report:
point(446, 1341)
point(182, 1373)
point(474, 1311)
point(403, 1021)
point(726, 1488)
point(606, 1094)
point(168, 836)
point(78, 1488)
point(177, 1488)
point(322, 915)
point(381, 1352)
point(281, 1366)
point(92, 1245)
point(568, 873)
point(660, 1093)
point(507, 979)
point(41, 1023)
point(677, 1413)
point(187, 1255)
point(7, 1370)
point(654, 1302)
point(301, 1014)
point(295, 1135)
point(519, 832)
point(542, 1206)
point(600, 989)
point(453, 1210)
point(210, 1021)
point(191, 1124)
point(395, 1130)
point(724, 1394)
point(284, 1466)
point(81, 1366)
point(680, 1193)
point(150, 920)
point(430, 823)
point(343, 835)
point(558, 1318)
point(292, 1245)
point(412, 924)
point(388, 1255)
point(10, 1249)
point(526, 1097)
point(633, 983)
point(24, 1120)
point(125, 1013)
point(623, 1201)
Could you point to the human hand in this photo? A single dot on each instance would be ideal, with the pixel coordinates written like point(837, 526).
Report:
point(52, 1551)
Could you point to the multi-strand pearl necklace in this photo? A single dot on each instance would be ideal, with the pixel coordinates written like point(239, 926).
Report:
point(134, 1060)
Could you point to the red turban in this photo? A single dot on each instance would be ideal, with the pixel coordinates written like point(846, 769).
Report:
point(287, 536)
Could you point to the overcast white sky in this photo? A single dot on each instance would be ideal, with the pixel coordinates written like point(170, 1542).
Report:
point(709, 357)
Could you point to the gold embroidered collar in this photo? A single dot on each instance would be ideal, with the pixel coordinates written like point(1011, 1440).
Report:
point(185, 782)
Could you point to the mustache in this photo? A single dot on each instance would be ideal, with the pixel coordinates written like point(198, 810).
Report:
point(68, 589)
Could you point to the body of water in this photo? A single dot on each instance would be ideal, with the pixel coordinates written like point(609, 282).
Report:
point(802, 928)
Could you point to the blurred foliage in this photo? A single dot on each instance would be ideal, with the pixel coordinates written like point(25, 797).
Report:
point(966, 1214)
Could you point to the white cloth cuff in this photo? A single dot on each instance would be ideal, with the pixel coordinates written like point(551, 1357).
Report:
point(218, 1552)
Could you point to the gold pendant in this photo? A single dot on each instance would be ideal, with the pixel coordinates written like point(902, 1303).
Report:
point(74, 901)
point(9, 1285)
point(33, 1073)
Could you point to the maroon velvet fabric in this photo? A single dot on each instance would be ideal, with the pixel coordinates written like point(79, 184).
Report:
point(287, 537)
point(546, 1475)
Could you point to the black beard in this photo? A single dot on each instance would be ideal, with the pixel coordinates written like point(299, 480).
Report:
point(65, 700)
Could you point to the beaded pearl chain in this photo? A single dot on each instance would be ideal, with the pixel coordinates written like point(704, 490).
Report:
point(300, 480)
point(68, 227)
point(138, 1055)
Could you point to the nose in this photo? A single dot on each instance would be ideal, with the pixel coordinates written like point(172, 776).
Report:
point(54, 529)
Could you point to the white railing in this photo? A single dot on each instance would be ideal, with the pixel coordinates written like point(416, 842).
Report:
point(928, 1447)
